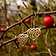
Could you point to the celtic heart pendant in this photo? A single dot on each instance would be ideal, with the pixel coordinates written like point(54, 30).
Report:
point(22, 38)
point(34, 33)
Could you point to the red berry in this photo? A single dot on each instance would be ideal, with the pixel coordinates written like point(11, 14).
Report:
point(8, 19)
point(48, 21)
point(18, 6)
point(2, 29)
point(54, 29)
point(33, 47)
point(27, 20)
point(23, 49)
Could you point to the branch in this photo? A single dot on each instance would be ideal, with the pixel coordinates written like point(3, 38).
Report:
point(44, 27)
point(44, 13)
point(6, 42)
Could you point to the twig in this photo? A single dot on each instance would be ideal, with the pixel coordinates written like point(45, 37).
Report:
point(5, 9)
point(26, 7)
point(44, 13)
point(6, 42)
point(23, 21)
point(47, 43)
point(46, 5)
point(44, 52)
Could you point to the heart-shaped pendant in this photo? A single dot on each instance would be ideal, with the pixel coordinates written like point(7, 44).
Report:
point(34, 33)
point(22, 38)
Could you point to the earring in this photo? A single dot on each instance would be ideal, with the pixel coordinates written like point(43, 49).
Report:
point(22, 38)
point(34, 33)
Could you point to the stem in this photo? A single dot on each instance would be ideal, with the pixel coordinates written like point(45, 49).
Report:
point(47, 43)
